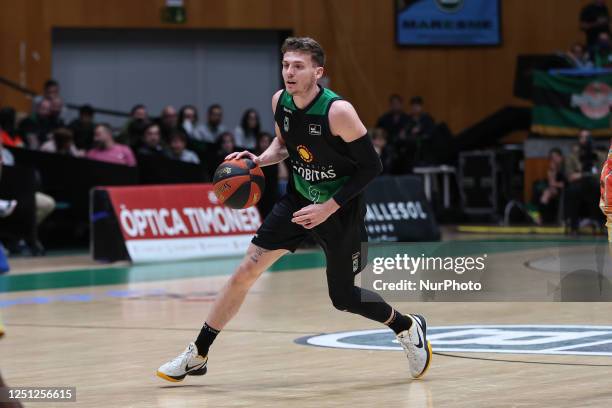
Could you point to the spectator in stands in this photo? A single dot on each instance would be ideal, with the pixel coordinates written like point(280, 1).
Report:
point(602, 51)
point(168, 122)
point(271, 173)
point(578, 57)
point(62, 143)
point(151, 141)
point(594, 19)
point(8, 135)
point(107, 150)
point(39, 126)
point(379, 140)
point(137, 113)
point(419, 129)
point(44, 206)
point(246, 133)
point(582, 190)
point(419, 123)
point(395, 120)
point(6, 209)
point(226, 145)
point(212, 130)
point(83, 128)
point(188, 120)
point(178, 150)
point(6, 158)
point(57, 105)
point(51, 90)
point(6, 206)
point(547, 193)
point(135, 133)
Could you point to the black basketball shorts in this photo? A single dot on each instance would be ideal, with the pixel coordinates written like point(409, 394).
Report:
point(340, 235)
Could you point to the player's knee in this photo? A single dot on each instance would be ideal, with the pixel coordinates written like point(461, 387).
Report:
point(342, 300)
point(245, 274)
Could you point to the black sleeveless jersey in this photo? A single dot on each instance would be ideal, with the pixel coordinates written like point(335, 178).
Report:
point(319, 161)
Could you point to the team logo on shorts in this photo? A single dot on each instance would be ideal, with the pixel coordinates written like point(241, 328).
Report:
point(305, 154)
point(508, 339)
point(286, 124)
point(356, 261)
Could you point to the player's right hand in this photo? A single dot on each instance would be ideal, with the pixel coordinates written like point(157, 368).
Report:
point(242, 154)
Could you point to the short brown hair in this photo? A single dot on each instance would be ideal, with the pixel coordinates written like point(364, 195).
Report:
point(63, 138)
point(178, 134)
point(305, 44)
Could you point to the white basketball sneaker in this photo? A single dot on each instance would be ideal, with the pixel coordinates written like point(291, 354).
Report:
point(7, 207)
point(187, 363)
point(417, 347)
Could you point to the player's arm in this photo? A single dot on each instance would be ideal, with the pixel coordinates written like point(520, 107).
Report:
point(345, 123)
point(275, 153)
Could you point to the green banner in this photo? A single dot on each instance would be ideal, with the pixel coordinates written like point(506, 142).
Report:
point(564, 105)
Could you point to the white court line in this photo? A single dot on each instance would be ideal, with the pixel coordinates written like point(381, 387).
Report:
point(594, 343)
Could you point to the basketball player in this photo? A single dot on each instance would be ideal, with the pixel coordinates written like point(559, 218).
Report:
point(332, 161)
point(605, 201)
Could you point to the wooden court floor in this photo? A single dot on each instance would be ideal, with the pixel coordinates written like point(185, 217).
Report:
point(105, 330)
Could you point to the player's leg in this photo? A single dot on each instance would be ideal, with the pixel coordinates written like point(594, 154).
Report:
point(231, 297)
point(193, 360)
point(276, 236)
point(341, 239)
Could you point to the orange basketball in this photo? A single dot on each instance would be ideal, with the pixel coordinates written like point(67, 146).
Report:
point(239, 183)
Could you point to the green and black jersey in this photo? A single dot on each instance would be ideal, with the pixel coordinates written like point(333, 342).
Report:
point(319, 161)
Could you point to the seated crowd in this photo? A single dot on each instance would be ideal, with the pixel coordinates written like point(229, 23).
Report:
point(570, 192)
point(399, 136)
point(174, 134)
point(596, 51)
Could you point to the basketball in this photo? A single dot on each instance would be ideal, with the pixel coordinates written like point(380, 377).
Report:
point(239, 183)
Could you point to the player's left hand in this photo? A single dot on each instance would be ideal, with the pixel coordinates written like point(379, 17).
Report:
point(315, 214)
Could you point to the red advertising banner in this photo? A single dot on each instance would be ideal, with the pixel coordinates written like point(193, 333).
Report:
point(185, 221)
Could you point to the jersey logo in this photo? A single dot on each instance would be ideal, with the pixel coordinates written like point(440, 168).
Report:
point(305, 153)
point(287, 110)
point(314, 129)
point(286, 124)
point(314, 194)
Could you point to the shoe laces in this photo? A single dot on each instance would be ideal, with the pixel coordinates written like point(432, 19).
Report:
point(178, 360)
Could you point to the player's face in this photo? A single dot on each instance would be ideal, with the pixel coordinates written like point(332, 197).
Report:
point(300, 72)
